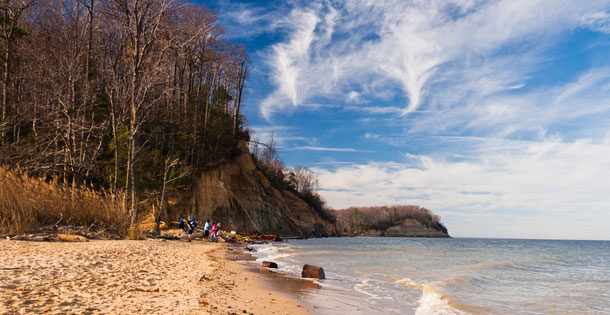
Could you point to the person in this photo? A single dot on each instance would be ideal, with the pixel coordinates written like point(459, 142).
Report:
point(214, 233)
point(193, 222)
point(206, 228)
point(188, 225)
point(181, 224)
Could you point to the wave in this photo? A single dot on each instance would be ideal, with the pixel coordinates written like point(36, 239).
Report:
point(410, 283)
point(434, 301)
point(360, 287)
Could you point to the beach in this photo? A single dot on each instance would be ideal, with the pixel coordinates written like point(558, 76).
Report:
point(141, 277)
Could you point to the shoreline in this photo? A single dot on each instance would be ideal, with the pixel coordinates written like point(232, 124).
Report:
point(122, 276)
point(315, 296)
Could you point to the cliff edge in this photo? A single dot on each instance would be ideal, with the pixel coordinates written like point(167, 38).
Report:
point(239, 196)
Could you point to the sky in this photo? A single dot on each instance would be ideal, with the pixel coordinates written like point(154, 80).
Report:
point(494, 115)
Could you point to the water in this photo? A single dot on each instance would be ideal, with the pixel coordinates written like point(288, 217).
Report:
point(451, 276)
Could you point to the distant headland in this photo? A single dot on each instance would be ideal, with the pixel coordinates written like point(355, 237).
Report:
point(390, 221)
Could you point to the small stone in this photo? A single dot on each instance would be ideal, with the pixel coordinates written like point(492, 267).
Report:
point(268, 264)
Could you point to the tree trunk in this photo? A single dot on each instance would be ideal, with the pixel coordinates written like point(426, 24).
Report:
point(4, 123)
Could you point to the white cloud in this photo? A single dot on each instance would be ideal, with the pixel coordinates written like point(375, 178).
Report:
point(551, 179)
point(598, 21)
point(281, 135)
point(375, 109)
point(309, 148)
point(384, 47)
point(510, 115)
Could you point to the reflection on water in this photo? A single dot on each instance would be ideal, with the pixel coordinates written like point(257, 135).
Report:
point(450, 276)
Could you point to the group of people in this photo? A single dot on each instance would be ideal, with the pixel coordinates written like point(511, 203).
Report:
point(189, 224)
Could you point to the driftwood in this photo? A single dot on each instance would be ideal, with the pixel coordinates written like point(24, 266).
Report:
point(228, 239)
point(67, 233)
point(167, 237)
point(31, 238)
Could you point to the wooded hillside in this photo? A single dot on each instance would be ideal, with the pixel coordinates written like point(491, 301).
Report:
point(122, 94)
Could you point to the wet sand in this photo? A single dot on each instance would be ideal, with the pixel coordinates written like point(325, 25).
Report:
point(118, 277)
point(311, 296)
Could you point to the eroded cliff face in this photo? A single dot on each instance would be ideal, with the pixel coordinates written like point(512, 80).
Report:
point(408, 228)
point(238, 196)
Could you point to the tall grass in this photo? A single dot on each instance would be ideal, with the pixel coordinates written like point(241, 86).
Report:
point(27, 203)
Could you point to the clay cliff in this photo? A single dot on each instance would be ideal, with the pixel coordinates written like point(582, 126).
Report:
point(239, 196)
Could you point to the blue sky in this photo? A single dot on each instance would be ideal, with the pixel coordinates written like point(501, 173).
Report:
point(493, 114)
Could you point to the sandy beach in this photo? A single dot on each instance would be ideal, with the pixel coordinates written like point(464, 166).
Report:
point(140, 277)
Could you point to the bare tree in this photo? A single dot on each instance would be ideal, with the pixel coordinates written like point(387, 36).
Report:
point(109, 89)
point(10, 31)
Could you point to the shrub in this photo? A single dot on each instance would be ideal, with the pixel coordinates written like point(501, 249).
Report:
point(27, 203)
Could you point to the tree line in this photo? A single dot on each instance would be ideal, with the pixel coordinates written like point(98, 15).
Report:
point(355, 220)
point(122, 94)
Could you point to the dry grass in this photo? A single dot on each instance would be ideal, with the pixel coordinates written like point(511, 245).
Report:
point(26, 204)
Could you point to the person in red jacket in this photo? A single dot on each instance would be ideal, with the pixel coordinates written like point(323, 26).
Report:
point(215, 229)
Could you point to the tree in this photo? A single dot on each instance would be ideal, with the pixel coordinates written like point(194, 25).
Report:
point(12, 11)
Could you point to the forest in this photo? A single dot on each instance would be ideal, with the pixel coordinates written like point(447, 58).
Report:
point(108, 104)
point(125, 95)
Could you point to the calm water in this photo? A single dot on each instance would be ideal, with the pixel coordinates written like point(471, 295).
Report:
point(451, 276)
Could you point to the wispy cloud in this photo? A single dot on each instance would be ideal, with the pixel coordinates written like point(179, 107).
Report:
point(281, 135)
point(533, 113)
point(359, 50)
point(245, 21)
point(598, 21)
point(325, 149)
point(375, 110)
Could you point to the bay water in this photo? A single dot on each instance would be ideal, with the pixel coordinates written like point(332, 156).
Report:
point(377, 275)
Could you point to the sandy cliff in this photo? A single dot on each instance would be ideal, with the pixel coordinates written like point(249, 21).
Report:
point(238, 196)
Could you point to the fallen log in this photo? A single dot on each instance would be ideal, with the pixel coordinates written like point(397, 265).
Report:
point(32, 238)
point(71, 238)
point(228, 239)
point(167, 237)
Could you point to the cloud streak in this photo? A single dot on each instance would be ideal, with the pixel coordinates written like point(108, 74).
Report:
point(326, 149)
point(336, 50)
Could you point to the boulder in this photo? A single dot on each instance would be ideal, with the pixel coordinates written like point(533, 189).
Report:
point(310, 271)
point(268, 264)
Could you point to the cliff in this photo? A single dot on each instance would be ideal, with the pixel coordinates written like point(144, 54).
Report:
point(239, 196)
point(408, 228)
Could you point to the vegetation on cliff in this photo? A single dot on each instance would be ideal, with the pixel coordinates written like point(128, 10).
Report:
point(298, 180)
point(356, 220)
